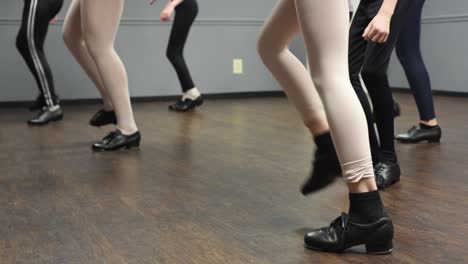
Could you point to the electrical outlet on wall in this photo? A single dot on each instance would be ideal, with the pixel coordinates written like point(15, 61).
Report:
point(237, 66)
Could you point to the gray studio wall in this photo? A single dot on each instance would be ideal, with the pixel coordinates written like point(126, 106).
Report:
point(225, 30)
point(444, 45)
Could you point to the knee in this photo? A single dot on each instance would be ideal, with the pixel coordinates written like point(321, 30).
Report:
point(70, 38)
point(402, 57)
point(316, 120)
point(22, 42)
point(172, 54)
point(373, 73)
point(267, 48)
point(355, 77)
point(262, 49)
point(329, 83)
point(95, 46)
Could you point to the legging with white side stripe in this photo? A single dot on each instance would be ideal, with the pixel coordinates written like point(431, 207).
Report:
point(30, 43)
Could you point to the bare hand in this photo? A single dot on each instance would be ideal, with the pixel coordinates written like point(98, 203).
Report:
point(378, 29)
point(53, 20)
point(166, 14)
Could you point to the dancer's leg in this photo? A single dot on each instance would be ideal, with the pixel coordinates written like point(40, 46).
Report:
point(357, 48)
point(30, 43)
point(101, 21)
point(74, 40)
point(289, 71)
point(408, 50)
point(273, 43)
point(328, 51)
point(374, 74)
point(186, 12)
point(327, 48)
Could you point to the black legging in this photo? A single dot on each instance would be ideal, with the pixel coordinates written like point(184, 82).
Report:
point(30, 43)
point(408, 50)
point(185, 14)
point(371, 60)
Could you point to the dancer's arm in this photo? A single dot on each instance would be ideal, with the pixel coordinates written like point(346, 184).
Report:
point(176, 2)
point(53, 20)
point(166, 13)
point(379, 28)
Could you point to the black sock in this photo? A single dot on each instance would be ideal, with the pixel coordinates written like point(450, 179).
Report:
point(366, 207)
point(424, 126)
point(324, 141)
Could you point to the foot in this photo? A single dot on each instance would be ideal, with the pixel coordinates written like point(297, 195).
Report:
point(116, 140)
point(103, 118)
point(325, 169)
point(40, 103)
point(419, 133)
point(387, 173)
point(342, 234)
point(396, 109)
point(47, 115)
point(185, 105)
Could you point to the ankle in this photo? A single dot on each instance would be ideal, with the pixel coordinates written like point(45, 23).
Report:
point(128, 130)
point(363, 186)
point(366, 207)
point(324, 140)
point(388, 156)
point(317, 124)
point(191, 94)
point(107, 106)
point(428, 123)
point(54, 108)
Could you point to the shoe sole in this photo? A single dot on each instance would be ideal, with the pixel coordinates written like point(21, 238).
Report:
point(383, 252)
point(112, 123)
point(418, 141)
point(54, 120)
point(383, 188)
point(127, 147)
point(307, 192)
point(188, 110)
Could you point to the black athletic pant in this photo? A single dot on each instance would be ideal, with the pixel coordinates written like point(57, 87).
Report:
point(371, 60)
point(30, 43)
point(185, 14)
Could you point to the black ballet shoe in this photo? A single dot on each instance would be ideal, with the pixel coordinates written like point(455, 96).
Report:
point(116, 140)
point(103, 118)
point(325, 169)
point(343, 234)
point(186, 105)
point(40, 103)
point(46, 116)
point(387, 173)
point(417, 134)
point(396, 109)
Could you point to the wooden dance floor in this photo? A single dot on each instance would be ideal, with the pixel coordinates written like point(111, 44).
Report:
point(216, 186)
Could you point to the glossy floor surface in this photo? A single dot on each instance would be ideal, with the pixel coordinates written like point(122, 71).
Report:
point(219, 185)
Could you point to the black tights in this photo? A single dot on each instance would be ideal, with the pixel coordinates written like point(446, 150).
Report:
point(185, 14)
point(30, 43)
point(371, 60)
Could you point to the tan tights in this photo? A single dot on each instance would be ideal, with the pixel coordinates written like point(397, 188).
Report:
point(89, 32)
point(324, 25)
